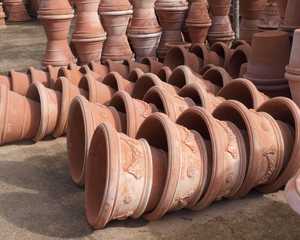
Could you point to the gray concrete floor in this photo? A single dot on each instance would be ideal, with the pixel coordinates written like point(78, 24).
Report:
point(39, 201)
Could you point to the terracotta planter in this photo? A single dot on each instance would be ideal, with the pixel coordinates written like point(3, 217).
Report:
point(112, 6)
point(153, 64)
point(170, 104)
point(241, 55)
point(171, 16)
point(266, 143)
point(180, 56)
point(248, 28)
point(2, 16)
point(89, 34)
point(147, 81)
point(144, 31)
point(16, 11)
point(266, 66)
point(56, 19)
point(198, 21)
point(218, 76)
point(270, 19)
point(164, 73)
point(183, 75)
point(100, 69)
point(286, 111)
point(120, 164)
point(47, 76)
point(121, 68)
point(74, 75)
point(292, 192)
point(183, 174)
point(19, 117)
point(243, 91)
point(118, 83)
point(136, 65)
point(226, 165)
point(223, 51)
point(252, 9)
point(206, 55)
point(292, 19)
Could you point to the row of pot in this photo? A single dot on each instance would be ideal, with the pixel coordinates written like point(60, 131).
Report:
point(167, 166)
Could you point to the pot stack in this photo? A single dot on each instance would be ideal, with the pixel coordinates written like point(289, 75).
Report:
point(144, 31)
point(16, 11)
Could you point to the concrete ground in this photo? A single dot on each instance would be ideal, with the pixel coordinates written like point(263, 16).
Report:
point(39, 201)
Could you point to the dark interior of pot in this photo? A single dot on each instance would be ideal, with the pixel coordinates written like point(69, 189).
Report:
point(178, 78)
point(174, 58)
point(111, 81)
point(134, 76)
point(191, 92)
point(96, 175)
point(235, 63)
point(142, 86)
point(163, 74)
point(76, 140)
point(219, 49)
point(118, 102)
point(214, 76)
point(154, 97)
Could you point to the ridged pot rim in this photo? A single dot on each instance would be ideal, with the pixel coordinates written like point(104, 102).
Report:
point(116, 13)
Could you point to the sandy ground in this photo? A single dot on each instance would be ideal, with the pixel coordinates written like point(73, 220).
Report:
point(39, 201)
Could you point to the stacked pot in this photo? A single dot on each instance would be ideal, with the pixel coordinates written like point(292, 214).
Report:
point(89, 35)
point(144, 31)
point(16, 11)
point(115, 16)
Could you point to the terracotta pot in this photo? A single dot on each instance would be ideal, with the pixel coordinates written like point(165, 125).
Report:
point(207, 56)
point(16, 11)
point(183, 174)
point(74, 75)
point(19, 82)
point(183, 75)
point(101, 70)
point(240, 56)
point(135, 75)
point(170, 104)
point(19, 117)
point(56, 19)
point(147, 81)
point(111, 6)
point(292, 192)
point(50, 107)
point(266, 143)
point(218, 76)
point(270, 19)
point(89, 35)
point(252, 9)
point(144, 31)
point(134, 65)
point(286, 111)
point(179, 56)
point(291, 20)
point(293, 69)
point(171, 16)
point(220, 7)
point(243, 91)
point(121, 68)
point(164, 73)
point(198, 21)
point(266, 66)
point(206, 68)
point(47, 77)
point(116, 46)
point(120, 164)
point(2, 16)
point(248, 28)
point(153, 64)
point(83, 119)
point(223, 51)
point(227, 155)
point(282, 4)
point(118, 83)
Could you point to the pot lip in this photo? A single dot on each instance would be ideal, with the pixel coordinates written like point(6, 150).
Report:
point(292, 165)
point(3, 109)
point(291, 77)
point(116, 13)
point(130, 112)
point(82, 38)
point(173, 173)
point(55, 17)
point(112, 143)
point(212, 189)
point(146, 35)
point(292, 70)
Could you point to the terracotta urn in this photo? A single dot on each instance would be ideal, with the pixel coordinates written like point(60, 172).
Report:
point(171, 16)
point(56, 19)
point(291, 20)
point(227, 155)
point(144, 31)
point(16, 11)
point(221, 29)
point(267, 143)
point(19, 117)
point(2, 16)
point(198, 21)
point(115, 17)
point(89, 35)
point(292, 192)
point(270, 19)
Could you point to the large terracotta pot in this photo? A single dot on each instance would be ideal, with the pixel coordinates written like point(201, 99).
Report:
point(89, 35)
point(144, 31)
point(19, 117)
point(56, 19)
point(16, 11)
point(171, 15)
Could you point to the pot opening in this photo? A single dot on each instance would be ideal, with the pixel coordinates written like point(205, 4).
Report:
point(175, 57)
point(96, 175)
point(214, 76)
point(164, 74)
point(199, 51)
point(155, 97)
point(235, 63)
point(134, 76)
point(193, 93)
point(178, 78)
point(119, 103)
point(142, 86)
point(219, 49)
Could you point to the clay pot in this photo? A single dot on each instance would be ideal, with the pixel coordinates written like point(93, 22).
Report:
point(179, 56)
point(266, 143)
point(198, 21)
point(16, 11)
point(243, 91)
point(116, 46)
point(124, 165)
point(241, 55)
point(287, 112)
point(56, 19)
point(252, 9)
point(83, 119)
point(248, 28)
point(134, 65)
point(183, 75)
point(121, 68)
point(226, 151)
point(266, 66)
point(170, 104)
point(73, 74)
point(147, 81)
point(135, 75)
point(270, 19)
point(118, 83)
point(183, 174)
point(112, 6)
point(171, 16)
point(89, 34)
point(46, 76)
point(100, 69)
point(2, 16)
point(292, 192)
point(218, 76)
point(292, 19)
point(19, 117)
point(207, 56)
point(282, 4)
point(153, 64)
point(144, 31)
point(293, 69)
point(164, 73)
point(223, 51)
